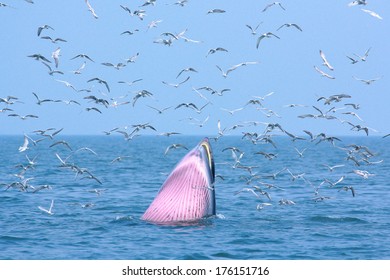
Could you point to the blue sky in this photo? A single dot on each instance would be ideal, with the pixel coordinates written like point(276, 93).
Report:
point(285, 66)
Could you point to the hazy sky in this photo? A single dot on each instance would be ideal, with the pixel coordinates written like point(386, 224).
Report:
point(285, 66)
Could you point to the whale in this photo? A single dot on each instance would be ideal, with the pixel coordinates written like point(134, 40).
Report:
point(188, 193)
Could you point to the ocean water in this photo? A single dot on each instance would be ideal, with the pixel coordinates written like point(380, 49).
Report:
point(105, 224)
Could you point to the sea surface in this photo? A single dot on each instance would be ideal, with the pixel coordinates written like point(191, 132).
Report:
point(92, 220)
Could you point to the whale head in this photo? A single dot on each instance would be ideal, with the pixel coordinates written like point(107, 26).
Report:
point(188, 193)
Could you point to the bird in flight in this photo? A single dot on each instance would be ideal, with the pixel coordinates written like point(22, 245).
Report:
point(272, 4)
point(372, 13)
point(41, 28)
point(325, 61)
point(290, 25)
point(367, 82)
point(265, 35)
point(211, 51)
point(176, 85)
point(216, 11)
point(186, 70)
point(82, 55)
point(253, 30)
point(92, 10)
point(100, 81)
point(56, 56)
point(323, 74)
point(54, 41)
point(48, 211)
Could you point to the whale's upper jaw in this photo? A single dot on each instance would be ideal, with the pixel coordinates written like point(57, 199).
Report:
point(209, 158)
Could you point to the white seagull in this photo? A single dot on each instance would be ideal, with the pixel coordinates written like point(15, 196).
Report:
point(50, 209)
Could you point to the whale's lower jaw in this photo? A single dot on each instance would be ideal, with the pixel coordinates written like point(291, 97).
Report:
point(188, 192)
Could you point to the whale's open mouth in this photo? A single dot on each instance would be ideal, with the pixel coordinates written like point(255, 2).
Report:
point(188, 193)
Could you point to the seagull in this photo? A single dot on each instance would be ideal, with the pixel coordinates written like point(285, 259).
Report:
point(129, 32)
point(82, 55)
point(260, 206)
point(117, 66)
point(50, 209)
point(78, 71)
point(139, 94)
point(234, 67)
point(67, 84)
point(323, 74)
point(187, 105)
point(24, 147)
point(62, 142)
point(212, 51)
point(353, 61)
point(186, 70)
point(40, 101)
point(325, 61)
point(38, 56)
point(23, 117)
point(357, 2)
point(153, 24)
point(372, 13)
point(231, 112)
point(100, 81)
point(253, 30)
point(294, 105)
point(335, 183)
point(176, 85)
point(91, 9)
point(37, 189)
point(181, 3)
point(110, 131)
point(160, 111)
point(247, 190)
point(272, 4)
point(56, 56)
point(199, 122)
point(297, 176)
point(41, 28)
point(6, 5)
point(300, 153)
point(364, 57)
point(174, 146)
point(269, 156)
point(98, 192)
point(130, 83)
point(133, 58)
point(331, 168)
point(216, 11)
point(290, 25)
point(54, 41)
point(167, 134)
point(274, 175)
point(120, 158)
point(347, 188)
point(355, 106)
point(367, 82)
point(51, 71)
point(284, 201)
point(148, 2)
point(363, 173)
point(265, 35)
point(353, 114)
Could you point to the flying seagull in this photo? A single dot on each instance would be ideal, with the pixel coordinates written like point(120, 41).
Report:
point(265, 35)
point(272, 4)
point(48, 211)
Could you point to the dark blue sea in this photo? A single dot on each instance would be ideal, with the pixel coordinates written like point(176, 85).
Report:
point(98, 205)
